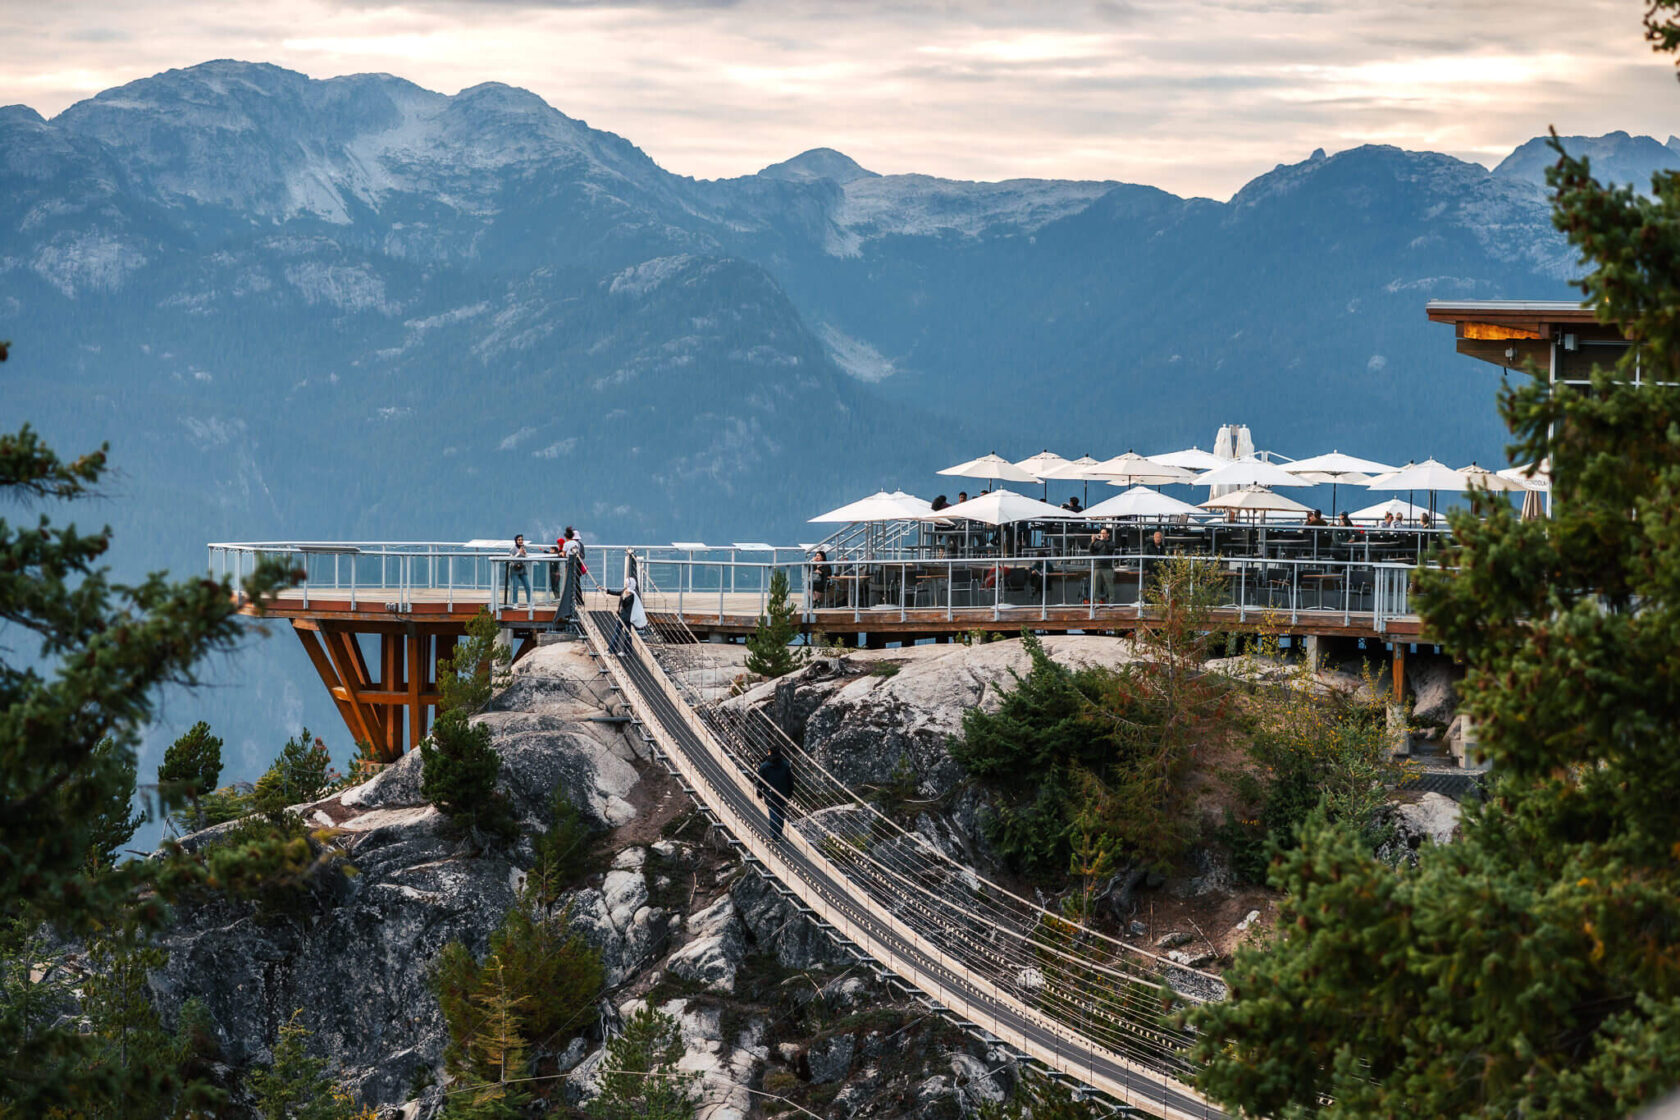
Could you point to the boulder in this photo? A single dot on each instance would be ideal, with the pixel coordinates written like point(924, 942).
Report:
point(715, 950)
point(979, 1085)
point(774, 926)
point(1433, 681)
point(830, 1059)
point(1432, 817)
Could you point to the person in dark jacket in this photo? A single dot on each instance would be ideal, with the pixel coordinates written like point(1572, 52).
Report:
point(626, 607)
point(775, 786)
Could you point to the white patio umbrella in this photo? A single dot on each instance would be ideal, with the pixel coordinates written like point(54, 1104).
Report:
point(1074, 470)
point(1537, 476)
point(991, 466)
point(1036, 465)
point(1132, 469)
point(1406, 511)
point(1141, 501)
point(1371, 483)
point(1334, 462)
point(1192, 459)
point(1255, 499)
point(912, 501)
point(1250, 472)
point(1484, 479)
point(880, 506)
point(1336, 468)
point(1431, 475)
point(1003, 507)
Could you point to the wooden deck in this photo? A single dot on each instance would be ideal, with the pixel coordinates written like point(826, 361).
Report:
point(734, 614)
point(377, 651)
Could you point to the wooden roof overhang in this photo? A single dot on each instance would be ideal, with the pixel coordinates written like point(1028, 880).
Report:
point(1515, 332)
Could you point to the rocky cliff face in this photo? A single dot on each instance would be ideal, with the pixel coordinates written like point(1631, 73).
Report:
point(769, 1007)
point(771, 1011)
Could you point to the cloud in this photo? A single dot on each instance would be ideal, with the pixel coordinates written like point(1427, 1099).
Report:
point(1194, 97)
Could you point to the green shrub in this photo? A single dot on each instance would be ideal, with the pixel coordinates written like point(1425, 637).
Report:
point(295, 1086)
point(562, 850)
point(639, 1078)
point(458, 764)
point(552, 980)
point(191, 767)
point(770, 652)
point(1310, 752)
point(297, 776)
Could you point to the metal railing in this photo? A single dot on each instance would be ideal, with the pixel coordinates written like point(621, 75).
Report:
point(731, 582)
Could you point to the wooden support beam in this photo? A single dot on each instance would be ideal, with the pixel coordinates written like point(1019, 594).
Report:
point(416, 644)
point(352, 674)
point(1399, 673)
point(329, 677)
point(390, 680)
point(382, 698)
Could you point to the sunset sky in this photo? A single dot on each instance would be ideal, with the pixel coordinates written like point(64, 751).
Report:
point(1196, 98)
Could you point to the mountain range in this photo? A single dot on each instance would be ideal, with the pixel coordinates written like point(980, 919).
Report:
point(359, 308)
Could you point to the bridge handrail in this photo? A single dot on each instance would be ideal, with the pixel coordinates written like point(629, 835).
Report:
point(929, 984)
point(1039, 912)
point(1025, 921)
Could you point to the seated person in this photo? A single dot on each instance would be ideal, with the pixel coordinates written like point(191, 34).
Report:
point(940, 503)
point(1316, 517)
point(1344, 520)
point(1424, 521)
point(1072, 505)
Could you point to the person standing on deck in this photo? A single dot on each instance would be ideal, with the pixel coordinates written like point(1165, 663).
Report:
point(571, 547)
point(1102, 549)
point(775, 786)
point(517, 575)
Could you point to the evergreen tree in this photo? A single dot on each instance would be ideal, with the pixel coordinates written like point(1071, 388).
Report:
point(459, 766)
point(70, 714)
point(298, 775)
point(295, 1086)
point(639, 1076)
point(1531, 968)
point(191, 768)
point(770, 651)
point(552, 978)
point(112, 819)
point(496, 1051)
point(561, 849)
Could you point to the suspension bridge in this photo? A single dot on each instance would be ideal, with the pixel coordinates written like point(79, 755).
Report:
point(1092, 1010)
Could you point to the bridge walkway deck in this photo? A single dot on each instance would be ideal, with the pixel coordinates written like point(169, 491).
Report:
point(685, 742)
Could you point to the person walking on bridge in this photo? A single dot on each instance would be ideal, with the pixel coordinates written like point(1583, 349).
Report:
point(775, 786)
point(626, 613)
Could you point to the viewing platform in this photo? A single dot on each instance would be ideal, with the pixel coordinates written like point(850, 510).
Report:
point(375, 618)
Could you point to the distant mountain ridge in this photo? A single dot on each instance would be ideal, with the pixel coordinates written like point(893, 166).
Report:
point(1615, 157)
point(356, 307)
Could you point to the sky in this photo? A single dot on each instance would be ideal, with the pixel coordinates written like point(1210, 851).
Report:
point(1192, 97)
